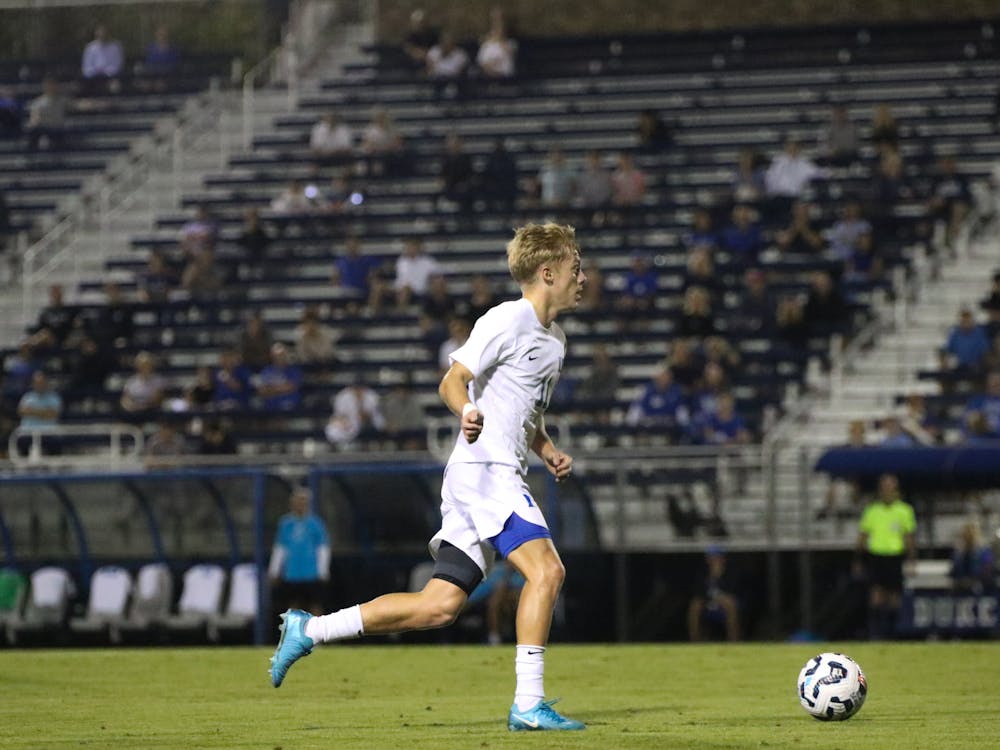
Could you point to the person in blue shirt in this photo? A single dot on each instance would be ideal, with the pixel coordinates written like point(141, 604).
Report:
point(300, 558)
point(987, 404)
point(232, 382)
point(967, 344)
point(162, 57)
point(40, 408)
point(279, 384)
point(662, 405)
point(724, 426)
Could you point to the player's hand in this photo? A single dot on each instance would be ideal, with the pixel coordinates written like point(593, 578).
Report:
point(472, 424)
point(559, 464)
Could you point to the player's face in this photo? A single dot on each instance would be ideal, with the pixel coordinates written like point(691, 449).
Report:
point(568, 283)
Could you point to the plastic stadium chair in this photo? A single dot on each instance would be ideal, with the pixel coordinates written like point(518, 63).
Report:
point(241, 604)
point(47, 606)
point(110, 588)
point(201, 598)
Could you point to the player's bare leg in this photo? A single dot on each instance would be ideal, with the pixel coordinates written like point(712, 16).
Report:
point(436, 606)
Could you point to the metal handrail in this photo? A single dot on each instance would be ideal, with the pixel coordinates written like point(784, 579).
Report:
point(119, 436)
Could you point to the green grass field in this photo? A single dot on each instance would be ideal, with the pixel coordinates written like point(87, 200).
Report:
point(942, 695)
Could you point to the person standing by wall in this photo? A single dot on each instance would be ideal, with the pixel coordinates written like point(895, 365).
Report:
point(300, 559)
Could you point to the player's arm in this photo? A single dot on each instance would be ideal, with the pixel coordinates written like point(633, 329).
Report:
point(559, 464)
point(454, 391)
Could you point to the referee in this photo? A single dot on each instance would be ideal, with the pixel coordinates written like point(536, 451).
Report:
point(886, 537)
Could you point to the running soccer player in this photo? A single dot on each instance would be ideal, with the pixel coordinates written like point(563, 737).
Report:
point(499, 384)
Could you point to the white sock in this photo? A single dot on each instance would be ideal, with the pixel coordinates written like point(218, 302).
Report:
point(529, 666)
point(337, 626)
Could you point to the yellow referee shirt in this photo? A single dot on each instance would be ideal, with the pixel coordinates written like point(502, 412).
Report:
point(887, 525)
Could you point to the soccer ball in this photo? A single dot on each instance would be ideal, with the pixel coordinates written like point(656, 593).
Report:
point(832, 687)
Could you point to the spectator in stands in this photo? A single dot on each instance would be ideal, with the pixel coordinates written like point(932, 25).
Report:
point(497, 55)
point(481, 297)
point(447, 65)
point(894, 436)
point(216, 440)
point(800, 237)
point(458, 175)
point(414, 269)
point(157, 281)
point(164, 444)
point(918, 420)
point(790, 321)
point(315, 343)
point(255, 342)
point(112, 324)
point(843, 235)
point(700, 271)
point(697, 317)
point(436, 309)
point(331, 139)
point(293, 201)
point(654, 134)
point(754, 313)
point(279, 385)
point(825, 311)
point(742, 238)
point(886, 537)
point(232, 382)
point(18, 368)
point(839, 141)
point(725, 426)
point(11, 116)
point(749, 185)
point(89, 368)
point(973, 570)
point(986, 405)
point(628, 183)
point(556, 180)
point(594, 297)
point(637, 299)
point(594, 188)
point(714, 603)
point(950, 198)
point(716, 350)
point(967, 345)
point(884, 130)
point(55, 322)
point(459, 328)
point(419, 39)
point(705, 398)
point(41, 406)
point(144, 390)
point(789, 175)
point(684, 363)
point(356, 275)
point(299, 571)
point(202, 279)
point(661, 405)
point(599, 387)
point(499, 179)
point(200, 394)
point(340, 197)
point(702, 233)
point(843, 494)
point(199, 234)
point(357, 414)
point(405, 421)
point(254, 239)
point(864, 265)
point(162, 57)
point(382, 143)
point(103, 61)
point(47, 117)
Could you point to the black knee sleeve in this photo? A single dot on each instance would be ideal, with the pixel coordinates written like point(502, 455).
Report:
point(454, 566)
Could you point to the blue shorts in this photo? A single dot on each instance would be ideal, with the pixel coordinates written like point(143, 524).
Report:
point(516, 531)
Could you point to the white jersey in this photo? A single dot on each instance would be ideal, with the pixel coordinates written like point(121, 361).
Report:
point(515, 362)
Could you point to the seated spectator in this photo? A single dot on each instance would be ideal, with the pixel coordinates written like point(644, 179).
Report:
point(162, 57)
point(279, 385)
point(414, 269)
point(18, 369)
point(447, 64)
point(702, 234)
point(742, 238)
point(987, 404)
point(382, 142)
point(40, 406)
point(481, 297)
point(705, 399)
point(405, 421)
point(255, 343)
point(102, 64)
point(800, 237)
point(790, 173)
point(293, 201)
point(714, 603)
point(459, 329)
point(825, 310)
point(654, 134)
point(199, 234)
point(340, 197)
point(356, 275)
point(357, 414)
point(458, 175)
point(637, 299)
point(684, 363)
point(754, 313)
point(790, 322)
point(967, 345)
point(164, 444)
point(864, 265)
point(419, 39)
point(724, 426)
point(144, 390)
point(216, 440)
point(331, 139)
point(46, 126)
point(894, 436)
point(749, 186)
point(232, 382)
point(55, 322)
point(697, 317)
point(839, 141)
point(556, 180)
point(499, 178)
point(89, 368)
point(950, 198)
point(716, 350)
point(600, 384)
point(628, 183)
point(315, 343)
point(254, 239)
point(889, 188)
point(202, 279)
point(593, 187)
point(497, 55)
point(919, 421)
point(157, 281)
point(885, 130)
point(843, 235)
point(660, 406)
point(700, 271)
point(436, 309)
point(200, 394)
point(973, 570)
point(112, 324)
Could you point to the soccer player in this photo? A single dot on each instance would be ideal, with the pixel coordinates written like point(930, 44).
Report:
point(499, 384)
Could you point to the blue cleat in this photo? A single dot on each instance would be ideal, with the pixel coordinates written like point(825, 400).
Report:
point(294, 644)
point(540, 716)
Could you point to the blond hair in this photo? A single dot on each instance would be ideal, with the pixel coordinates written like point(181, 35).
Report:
point(535, 245)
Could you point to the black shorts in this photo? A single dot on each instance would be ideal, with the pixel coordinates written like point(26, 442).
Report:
point(886, 571)
point(300, 594)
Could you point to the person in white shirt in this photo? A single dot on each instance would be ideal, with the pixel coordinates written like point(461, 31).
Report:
point(446, 66)
point(791, 172)
point(356, 410)
point(499, 385)
point(331, 138)
point(102, 57)
point(414, 269)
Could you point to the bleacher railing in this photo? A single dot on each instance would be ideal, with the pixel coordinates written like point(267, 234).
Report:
point(124, 445)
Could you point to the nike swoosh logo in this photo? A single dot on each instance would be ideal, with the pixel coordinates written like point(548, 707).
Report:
point(532, 724)
point(532, 653)
point(532, 359)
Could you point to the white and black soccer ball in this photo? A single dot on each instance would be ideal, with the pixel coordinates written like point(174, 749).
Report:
point(832, 687)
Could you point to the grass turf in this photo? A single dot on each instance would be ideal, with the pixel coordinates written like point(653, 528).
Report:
point(941, 695)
